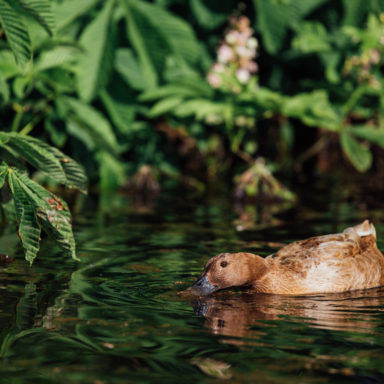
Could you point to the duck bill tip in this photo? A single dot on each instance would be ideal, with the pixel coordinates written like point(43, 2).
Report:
point(202, 287)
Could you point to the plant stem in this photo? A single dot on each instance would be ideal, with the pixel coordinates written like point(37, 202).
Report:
point(17, 119)
point(353, 99)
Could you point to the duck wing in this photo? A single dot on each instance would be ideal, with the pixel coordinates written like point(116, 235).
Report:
point(303, 255)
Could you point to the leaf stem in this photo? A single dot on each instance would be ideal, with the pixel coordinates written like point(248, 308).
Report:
point(353, 99)
point(17, 119)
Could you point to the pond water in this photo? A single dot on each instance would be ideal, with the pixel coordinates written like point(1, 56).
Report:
point(117, 316)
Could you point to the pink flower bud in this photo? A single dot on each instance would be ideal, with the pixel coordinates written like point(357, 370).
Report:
point(243, 75)
point(253, 67)
point(218, 68)
point(225, 54)
point(214, 80)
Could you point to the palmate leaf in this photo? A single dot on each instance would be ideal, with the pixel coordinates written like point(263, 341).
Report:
point(96, 62)
point(35, 154)
point(47, 159)
point(16, 33)
point(41, 11)
point(35, 208)
point(75, 175)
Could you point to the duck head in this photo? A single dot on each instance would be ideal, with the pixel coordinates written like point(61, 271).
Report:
point(229, 270)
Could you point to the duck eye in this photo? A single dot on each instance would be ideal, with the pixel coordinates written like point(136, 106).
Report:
point(223, 264)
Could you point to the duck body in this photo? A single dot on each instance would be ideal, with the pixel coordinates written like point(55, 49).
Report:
point(323, 264)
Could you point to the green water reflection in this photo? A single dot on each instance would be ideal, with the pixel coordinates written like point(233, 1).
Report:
point(117, 317)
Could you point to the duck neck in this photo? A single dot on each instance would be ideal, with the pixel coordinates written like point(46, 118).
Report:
point(257, 267)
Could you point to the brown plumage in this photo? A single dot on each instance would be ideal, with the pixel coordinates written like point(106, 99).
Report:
point(332, 263)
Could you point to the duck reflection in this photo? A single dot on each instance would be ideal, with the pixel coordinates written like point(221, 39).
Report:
point(244, 316)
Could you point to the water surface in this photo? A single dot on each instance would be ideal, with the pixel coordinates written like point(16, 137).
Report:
point(118, 317)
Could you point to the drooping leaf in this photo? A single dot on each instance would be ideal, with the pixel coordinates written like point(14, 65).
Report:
point(47, 159)
point(38, 204)
point(74, 172)
point(41, 11)
point(358, 154)
point(96, 62)
point(34, 153)
point(16, 33)
point(29, 229)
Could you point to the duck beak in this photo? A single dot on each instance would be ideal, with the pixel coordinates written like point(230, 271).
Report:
point(203, 287)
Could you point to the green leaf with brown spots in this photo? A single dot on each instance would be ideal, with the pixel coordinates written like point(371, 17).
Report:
point(46, 158)
point(36, 209)
point(29, 229)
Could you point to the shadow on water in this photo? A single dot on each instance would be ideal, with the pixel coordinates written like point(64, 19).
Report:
point(117, 317)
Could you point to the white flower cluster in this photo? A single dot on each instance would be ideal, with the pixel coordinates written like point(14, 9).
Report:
point(235, 57)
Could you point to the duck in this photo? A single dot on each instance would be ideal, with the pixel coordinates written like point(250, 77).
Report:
point(331, 263)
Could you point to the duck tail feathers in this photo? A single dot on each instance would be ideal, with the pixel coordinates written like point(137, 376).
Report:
point(365, 229)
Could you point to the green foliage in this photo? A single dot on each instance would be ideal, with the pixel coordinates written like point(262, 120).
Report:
point(276, 17)
point(12, 20)
point(36, 208)
point(123, 83)
point(96, 62)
